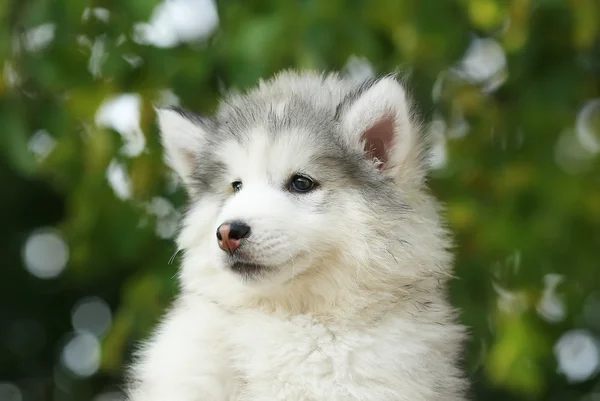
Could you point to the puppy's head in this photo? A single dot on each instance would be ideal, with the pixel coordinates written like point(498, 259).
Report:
point(302, 173)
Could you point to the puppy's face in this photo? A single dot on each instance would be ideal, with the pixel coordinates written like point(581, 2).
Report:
point(272, 202)
point(278, 189)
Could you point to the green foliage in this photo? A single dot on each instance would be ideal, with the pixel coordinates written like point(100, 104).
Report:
point(520, 175)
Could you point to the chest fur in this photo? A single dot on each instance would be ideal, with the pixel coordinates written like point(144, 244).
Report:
point(305, 359)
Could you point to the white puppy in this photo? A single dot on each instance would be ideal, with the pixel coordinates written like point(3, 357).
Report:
point(315, 262)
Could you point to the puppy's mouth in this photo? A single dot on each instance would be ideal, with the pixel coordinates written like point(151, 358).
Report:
point(247, 268)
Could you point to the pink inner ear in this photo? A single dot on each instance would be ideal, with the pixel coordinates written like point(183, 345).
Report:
point(379, 140)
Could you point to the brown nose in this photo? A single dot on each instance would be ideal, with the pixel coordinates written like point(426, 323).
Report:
point(230, 235)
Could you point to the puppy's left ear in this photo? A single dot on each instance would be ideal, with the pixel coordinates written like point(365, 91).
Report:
point(377, 119)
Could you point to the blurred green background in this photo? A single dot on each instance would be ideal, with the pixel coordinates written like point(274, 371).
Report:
point(510, 91)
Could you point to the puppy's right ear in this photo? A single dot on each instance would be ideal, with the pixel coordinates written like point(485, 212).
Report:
point(183, 134)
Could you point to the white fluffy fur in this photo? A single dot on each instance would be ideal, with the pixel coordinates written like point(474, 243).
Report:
point(343, 318)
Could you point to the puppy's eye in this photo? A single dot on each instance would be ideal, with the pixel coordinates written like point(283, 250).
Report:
point(236, 185)
point(300, 183)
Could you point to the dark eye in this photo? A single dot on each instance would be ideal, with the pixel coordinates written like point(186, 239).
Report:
point(236, 185)
point(300, 183)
